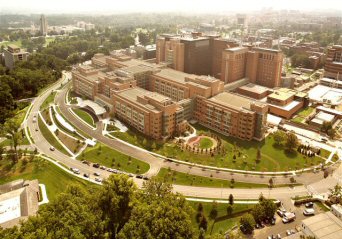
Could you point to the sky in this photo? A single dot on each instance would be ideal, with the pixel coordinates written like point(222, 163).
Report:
point(190, 6)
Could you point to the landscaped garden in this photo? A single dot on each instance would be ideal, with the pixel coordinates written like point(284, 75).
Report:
point(302, 114)
point(233, 153)
point(55, 179)
point(85, 116)
point(48, 135)
point(108, 157)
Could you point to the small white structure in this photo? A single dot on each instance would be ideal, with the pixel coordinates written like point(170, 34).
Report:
point(96, 108)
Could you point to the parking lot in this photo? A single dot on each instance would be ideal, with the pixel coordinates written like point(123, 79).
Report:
point(281, 228)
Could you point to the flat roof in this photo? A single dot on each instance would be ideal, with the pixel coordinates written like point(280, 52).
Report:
point(281, 95)
point(133, 93)
point(233, 100)
point(325, 116)
point(332, 111)
point(287, 107)
point(254, 88)
point(173, 75)
point(324, 226)
point(10, 207)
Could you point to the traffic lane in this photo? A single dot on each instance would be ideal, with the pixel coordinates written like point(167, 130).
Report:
point(239, 193)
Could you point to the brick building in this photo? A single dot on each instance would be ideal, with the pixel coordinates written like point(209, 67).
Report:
point(333, 63)
point(158, 101)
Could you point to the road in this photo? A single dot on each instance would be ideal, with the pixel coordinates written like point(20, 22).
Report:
point(43, 147)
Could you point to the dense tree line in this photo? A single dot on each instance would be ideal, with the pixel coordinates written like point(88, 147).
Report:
point(25, 80)
point(118, 209)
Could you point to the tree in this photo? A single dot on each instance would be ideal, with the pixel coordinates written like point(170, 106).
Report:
point(116, 200)
point(203, 223)
point(229, 210)
point(279, 137)
point(327, 128)
point(291, 141)
point(270, 183)
point(258, 157)
point(247, 222)
point(213, 212)
point(69, 216)
point(258, 212)
point(231, 199)
point(336, 193)
point(11, 129)
point(269, 208)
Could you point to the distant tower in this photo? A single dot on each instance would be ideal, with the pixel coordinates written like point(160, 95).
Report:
point(43, 25)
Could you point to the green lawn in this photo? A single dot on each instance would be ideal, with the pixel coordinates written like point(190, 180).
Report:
point(305, 112)
point(49, 137)
point(55, 179)
point(180, 178)
point(5, 44)
point(86, 117)
point(111, 158)
point(48, 40)
point(223, 222)
point(205, 143)
point(48, 101)
point(273, 158)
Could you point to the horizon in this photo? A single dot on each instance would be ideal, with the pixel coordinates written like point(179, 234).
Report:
point(155, 6)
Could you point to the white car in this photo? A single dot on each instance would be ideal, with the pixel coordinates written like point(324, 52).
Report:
point(97, 174)
point(52, 148)
point(309, 212)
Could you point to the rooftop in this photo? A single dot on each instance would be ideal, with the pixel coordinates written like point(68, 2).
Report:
point(173, 75)
point(324, 226)
point(255, 88)
point(233, 100)
point(133, 93)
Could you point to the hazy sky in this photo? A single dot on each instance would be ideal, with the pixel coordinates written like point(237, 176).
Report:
point(87, 6)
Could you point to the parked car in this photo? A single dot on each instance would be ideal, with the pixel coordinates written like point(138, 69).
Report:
point(278, 236)
point(139, 176)
point(103, 167)
point(52, 148)
point(86, 175)
point(309, 204)
point(86, 162)
point(273, 221)
point(288, 232)
point(131, 175)
point(309, 212)
point(280, 213)
point(97, 174)
point(96, 165)
point(145, 178)
point(98, 180)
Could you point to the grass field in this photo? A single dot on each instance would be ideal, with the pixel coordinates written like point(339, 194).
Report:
point(273, 157)
point(223, 222)
point(174, 177)
point(205, 143)
point(111, 158)
point(5, 44)
point(85, 117)
point(48, 101)
point(302, 114)
point(49, 137)
point(55, 179)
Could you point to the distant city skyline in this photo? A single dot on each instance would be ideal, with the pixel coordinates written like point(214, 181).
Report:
point(189, 6)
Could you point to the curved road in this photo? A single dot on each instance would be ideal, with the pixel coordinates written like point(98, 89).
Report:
point(320, 186)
